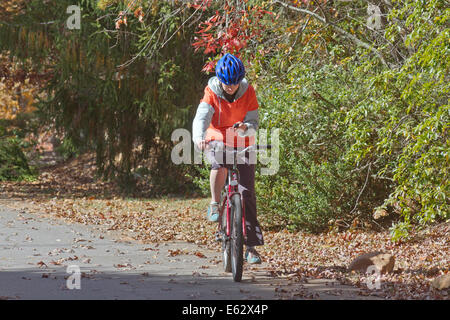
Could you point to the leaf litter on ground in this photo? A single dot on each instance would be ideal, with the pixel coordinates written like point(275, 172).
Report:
point(70, 192)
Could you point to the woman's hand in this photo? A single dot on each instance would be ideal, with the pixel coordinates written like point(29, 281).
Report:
point(240, 126)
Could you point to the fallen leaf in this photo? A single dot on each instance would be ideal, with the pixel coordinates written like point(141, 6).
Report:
point(199, 254)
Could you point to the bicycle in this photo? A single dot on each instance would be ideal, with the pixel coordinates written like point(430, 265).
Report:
point(231, 228)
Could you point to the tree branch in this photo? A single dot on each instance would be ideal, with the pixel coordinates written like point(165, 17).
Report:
point(337, 28)
point(362, 190)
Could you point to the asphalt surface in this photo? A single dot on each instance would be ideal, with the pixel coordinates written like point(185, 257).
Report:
point(44, 258)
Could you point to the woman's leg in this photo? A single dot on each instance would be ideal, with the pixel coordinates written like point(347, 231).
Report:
point(247, 188)
point(217, 180)
point(218, 174)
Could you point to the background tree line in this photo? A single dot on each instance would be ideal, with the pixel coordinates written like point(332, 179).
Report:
point(358, 88)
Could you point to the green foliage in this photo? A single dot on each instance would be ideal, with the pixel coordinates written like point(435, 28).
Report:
point(315, 184)
point(13, 162)
point(107, 92)
point(68, 149)
point(200, 178)
point(359, 133)
point(406, 117)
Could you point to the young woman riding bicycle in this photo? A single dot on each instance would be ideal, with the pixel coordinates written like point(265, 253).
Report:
point(228, 100)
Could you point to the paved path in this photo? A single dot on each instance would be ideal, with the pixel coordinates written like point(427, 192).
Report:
point(36, 252)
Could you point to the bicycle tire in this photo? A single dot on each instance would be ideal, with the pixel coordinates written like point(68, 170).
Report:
point(226, 246)
point(237, 238)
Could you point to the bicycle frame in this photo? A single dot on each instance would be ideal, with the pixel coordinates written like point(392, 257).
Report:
point(233, 187)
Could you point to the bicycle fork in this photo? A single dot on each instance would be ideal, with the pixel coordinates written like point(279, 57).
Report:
point(232, 189)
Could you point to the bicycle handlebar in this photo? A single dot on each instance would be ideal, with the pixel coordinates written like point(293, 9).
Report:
point(219, 146)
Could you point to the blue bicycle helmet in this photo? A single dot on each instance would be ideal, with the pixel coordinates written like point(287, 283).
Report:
point(230, 70)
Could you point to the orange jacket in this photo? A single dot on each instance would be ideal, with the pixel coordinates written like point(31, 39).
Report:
point(216, 115)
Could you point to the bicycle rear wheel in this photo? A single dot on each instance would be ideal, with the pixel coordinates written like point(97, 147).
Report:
point(237, 238)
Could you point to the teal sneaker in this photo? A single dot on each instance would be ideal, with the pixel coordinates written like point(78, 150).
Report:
point(213, 212)
point(252, 256)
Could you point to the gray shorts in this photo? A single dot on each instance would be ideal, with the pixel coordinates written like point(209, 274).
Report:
point(221, 159)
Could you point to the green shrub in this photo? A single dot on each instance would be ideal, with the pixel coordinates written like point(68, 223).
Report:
point(314, 184)
point(403, 124)
point(13, 163)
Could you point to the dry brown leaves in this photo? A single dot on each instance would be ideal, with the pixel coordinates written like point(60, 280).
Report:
point(10, 8)
point(71, 193)
point(20, 87)
point(327, 256)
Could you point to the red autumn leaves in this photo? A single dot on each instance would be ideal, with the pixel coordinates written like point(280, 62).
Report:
point(229, 30)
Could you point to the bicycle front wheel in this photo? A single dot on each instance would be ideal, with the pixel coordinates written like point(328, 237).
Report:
point(237, 238)
point(226, 245)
